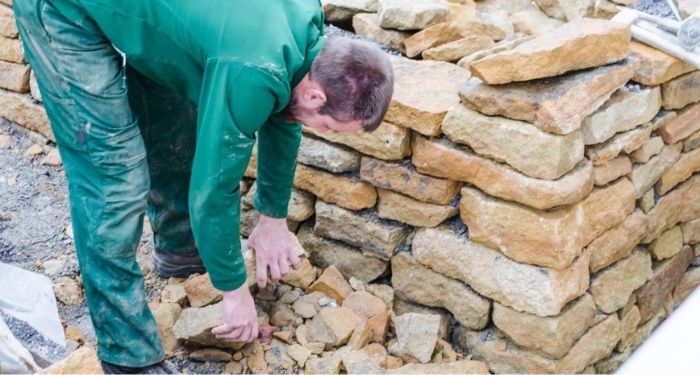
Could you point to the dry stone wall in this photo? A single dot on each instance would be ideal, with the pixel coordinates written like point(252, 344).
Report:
point(539, 185)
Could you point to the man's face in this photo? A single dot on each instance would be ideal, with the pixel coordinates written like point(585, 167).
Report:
point(324, 123)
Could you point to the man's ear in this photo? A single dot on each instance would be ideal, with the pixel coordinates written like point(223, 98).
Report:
point(314, 97)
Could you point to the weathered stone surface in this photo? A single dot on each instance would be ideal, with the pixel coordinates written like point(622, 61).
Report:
point(523, 287)
point(678, 205)
point(200, 291)
point(618, 242)
point(566, 10)
point(613, 286)
point(523, 146)
point(667, 275)
point(344, 10)
point(34, 87)
point(323, 365)
point(68, 291)
point(612, 170)
point(166, 314)
point(416, 336)
point(556, 105)
point(625, 110)
point(395, 206)
point(573, 46)
point(657, 66)
point(402, 307)
point(298, 353)
point(647, 201)
point(343, 191)
point(300, 207)
point(533, 22)
point(21, 110)
point(350, 261)
point(681, 91)
point(362, 230)
point(628, 325)
point(626, 142)
point(688, 283)
point(364, 304)
point(687, 164)
point(367, 25)
point(403, 178)
point(359, 362)
point(644, 176)
point(328, 156)
point(668, 244)
point(457, 49)
point(423, 92)
point(552, 336)
point(596, 344)
point(81, 361)
point(551, 239)
point(692, 142)
point(649, 149)
point(174, 293)
point(11, 50)
point(411, 14)
point(387, 142)
point(433, 36)
point(210, 355)
point(415, 282)
point(8, 26)
point(444, 159)
point(14, 77)
point(691, 232)
point(339, 322)
point(195, 325)
point(686, 123)
point(504, 45)
point(464, 366)
point(331, 283)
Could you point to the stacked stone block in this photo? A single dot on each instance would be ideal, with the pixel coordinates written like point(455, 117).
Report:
point(551, 212)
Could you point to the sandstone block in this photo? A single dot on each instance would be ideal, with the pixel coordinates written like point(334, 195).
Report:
point(573, 46)
point(457, 49)
point(688, 283)
point(551, 336)
point(444, 159)
point(350, 261)
point(596, 344)
point(628, 325)
point(367, 25)
point(626, 142)
point(566, 10)
point(686, 165)
point(523, 287)
point(364, 304)
point(210, 354)
point(686, 123)
point(344, 10)
point(613, 286)
point(359, 362)
point(681, 91)
point(411, 14)
point(433, 36)
point(395, 206)
point(300, 207)
point(11, 50)
point(533, 22)
point(14, 77)
point(551, 239)
point(332, 283)
point(463, 366)
point(8, 26)
point(668, 244)
point(423, 92)
point(387, 142)
point(504, 45)
point(416, 336)
point(692, 142)
point(166, 314)
point(415, 282)
point(691, 232)
point(363, 230)
point(657, 66)
point(556, 105)
point(678, 205)
point(403, 178)
point(649, 149)
point(21, 110)
point(612, 170)
point(323, 365)
point(200, 292)
point(644, 176)
point(174, 293)
point(338, 323)
point(667, 275)
point(328, 156)
point(343, 191)
point(195, 325)
point(618, 242)
point(625, 110)
point(81, 361)
point(523, 146)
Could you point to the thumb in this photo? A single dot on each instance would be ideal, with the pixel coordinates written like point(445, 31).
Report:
point(222, 329)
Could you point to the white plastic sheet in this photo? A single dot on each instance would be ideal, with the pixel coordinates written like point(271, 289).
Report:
point(14, 358)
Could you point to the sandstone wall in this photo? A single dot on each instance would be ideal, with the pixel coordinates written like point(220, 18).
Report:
point(543, 193)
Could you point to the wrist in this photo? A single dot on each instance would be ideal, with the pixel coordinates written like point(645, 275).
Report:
point(240, 293)
point(269, 220)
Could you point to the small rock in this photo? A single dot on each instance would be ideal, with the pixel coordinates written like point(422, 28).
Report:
point(282, 315)
point(233, 368)
point(166, 314)
point(315, 347)
point(34, 150)
point(364, 304)
point(200, 291)
point(323, 365)
point(304, 309)
point(5, 141)
point(174, 293)
point(255, 357)
point(333, 326)
point(237, 356)
point(298, 353)
point(377, 353)
point(359, 362)
point(285, 336)
point(384, 293)
point(54, 266)
point(277, 357)
point(448, 353)
point(290, 296)
point(301, 277)
point(302, 334)
point(356, 284)
point(81, 361)
point(393, 362)
point(68, 291)
point(53, 158)
point(332, 283)
point(416, 335)
point(210, 354)
point(74, 333)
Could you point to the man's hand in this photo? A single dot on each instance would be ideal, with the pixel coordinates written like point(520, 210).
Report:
point(274, 249)
point(240, 317)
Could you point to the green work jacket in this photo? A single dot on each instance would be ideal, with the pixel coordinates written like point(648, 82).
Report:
point(238, 61)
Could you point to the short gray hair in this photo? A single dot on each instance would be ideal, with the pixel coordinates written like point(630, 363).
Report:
point(357, 78)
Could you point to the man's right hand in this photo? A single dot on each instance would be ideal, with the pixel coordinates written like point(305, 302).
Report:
point(240, 317)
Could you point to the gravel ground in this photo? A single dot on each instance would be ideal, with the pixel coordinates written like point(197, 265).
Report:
point(656, 7)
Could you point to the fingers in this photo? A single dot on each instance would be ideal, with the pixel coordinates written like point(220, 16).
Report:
point(283, 266)
point(234, 335)
point(275, 271)
point(294, 259)
point(222, 329)
point(261, 273)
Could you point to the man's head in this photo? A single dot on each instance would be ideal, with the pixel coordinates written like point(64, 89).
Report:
point(348, 89)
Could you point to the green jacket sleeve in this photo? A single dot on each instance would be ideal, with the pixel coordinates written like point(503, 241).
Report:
point(278, 144)
point(235, 101)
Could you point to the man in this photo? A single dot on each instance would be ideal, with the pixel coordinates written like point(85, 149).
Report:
point(156, 106)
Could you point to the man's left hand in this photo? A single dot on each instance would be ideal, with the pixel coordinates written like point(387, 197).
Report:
point(274, 249)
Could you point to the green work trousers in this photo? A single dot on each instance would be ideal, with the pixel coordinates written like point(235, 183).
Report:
point(127, 146)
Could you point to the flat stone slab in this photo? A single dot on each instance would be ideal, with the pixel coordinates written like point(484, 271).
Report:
point(344, 10)
point(387, 142)
point(411, 14)
point(344, 191)
point(656, 66)
point(612, 287)
point(367, 25)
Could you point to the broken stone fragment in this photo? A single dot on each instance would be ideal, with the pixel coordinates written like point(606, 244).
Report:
point(416, 336)
point(333, 326)
point(411, 14)
point(210, 355)
point(332, 283)
point(200, 291)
